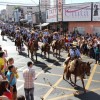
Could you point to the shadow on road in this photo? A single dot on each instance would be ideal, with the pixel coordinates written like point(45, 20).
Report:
point(23, 54)
point(43, 66)
point(4, 39)
point(89, 96)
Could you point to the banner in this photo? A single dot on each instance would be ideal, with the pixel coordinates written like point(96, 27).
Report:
point(51, 15)
point(96, 11)
point(60, 4)
point(77, 12)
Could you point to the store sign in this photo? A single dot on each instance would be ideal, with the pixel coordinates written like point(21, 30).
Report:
point(51, 15)
point(77, 12)
point(60, 10)
point(96, 11)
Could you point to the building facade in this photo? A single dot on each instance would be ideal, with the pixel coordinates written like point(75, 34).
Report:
point(45, 4)
point(26, 10)
point(83, 17)
point(3, 15)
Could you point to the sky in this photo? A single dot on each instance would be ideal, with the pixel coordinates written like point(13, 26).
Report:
point(34, 2)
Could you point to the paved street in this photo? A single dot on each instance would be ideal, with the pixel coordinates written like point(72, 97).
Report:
point(49, 83)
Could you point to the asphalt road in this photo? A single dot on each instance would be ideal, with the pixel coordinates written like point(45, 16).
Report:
point(49, 83)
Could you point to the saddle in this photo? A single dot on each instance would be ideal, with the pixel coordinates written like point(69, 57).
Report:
point(54, 42)
point(72, 64)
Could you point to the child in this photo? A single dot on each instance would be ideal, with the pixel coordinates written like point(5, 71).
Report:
point(11, 62)
point(12, 80)
point(5, 91)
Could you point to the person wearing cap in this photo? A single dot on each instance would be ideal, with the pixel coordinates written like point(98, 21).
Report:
point(29, 78)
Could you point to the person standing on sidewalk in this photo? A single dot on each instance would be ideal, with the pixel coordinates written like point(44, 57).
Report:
point(29, 77)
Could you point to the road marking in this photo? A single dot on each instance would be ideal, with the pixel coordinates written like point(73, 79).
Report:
point(95, 89)
point(97, 72)
point(51, 89)
point(52, 74)
point(36, 75)
point(62, 88)
point(20, 87)
point(91, 76)
point(96, 81)
point(60, 97)
point(41, 84)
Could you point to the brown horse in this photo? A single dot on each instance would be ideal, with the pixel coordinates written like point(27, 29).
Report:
point(81, 69)
point(18, 44)
point(46, 49)
point(33, 49)
point(57, 45)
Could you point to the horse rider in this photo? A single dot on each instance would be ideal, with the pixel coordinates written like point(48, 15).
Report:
point(36, 35)
point(46, 32)
point(73, 57)
point(45, 40)
point(56, 36)
point(74, 51)
point(17, 35)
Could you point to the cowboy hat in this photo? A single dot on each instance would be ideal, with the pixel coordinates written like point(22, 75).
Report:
point(55, 32)
point(75, 44)
point(46, 30)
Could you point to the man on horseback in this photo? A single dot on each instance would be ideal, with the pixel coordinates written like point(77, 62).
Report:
point(56, 36)
point(45, 41)
point(73, 56)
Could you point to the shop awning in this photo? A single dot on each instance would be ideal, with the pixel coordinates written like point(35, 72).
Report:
point(23, 20)
point(42, 25)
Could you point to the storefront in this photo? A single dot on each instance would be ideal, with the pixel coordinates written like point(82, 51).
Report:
point(85, 27)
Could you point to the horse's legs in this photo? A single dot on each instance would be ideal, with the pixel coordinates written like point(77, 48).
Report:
point(75, 80)
point(48, 55)
point(56, 53)
point(36, 55)
point(44, 54)
point(59, 53)
point(53, 52)
point(32, 55)
point(28, 52)
point(64, 73)
point(83, 84)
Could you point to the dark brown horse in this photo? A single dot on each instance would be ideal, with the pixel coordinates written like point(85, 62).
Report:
point(32, 48)
point(81, 69)
point(18, 44)
point(57, 45)
point(46, 49)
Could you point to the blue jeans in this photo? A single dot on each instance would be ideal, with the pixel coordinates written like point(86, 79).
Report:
point(29, 94)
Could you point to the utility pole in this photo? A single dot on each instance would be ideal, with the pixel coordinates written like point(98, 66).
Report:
point(40, 14)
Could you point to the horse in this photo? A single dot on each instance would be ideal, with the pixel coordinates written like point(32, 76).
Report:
point(32, 48)
point(57, 45)
point(18, 44)
point(46, 49)
point(81, 69)
point(2, 34)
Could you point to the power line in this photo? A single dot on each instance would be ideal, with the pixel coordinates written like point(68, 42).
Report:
point(13, 3)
